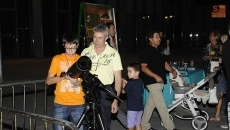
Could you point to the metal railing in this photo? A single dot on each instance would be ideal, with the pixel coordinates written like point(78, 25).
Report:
point(19, 100)
point(32, 117)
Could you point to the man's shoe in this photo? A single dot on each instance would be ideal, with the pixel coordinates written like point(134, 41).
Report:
point(224, 126)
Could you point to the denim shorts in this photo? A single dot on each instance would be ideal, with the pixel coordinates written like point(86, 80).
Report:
point(134, 118)
point(222, 83)
point(69, 113)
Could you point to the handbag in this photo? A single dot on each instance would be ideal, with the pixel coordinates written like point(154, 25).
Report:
point(213, 99)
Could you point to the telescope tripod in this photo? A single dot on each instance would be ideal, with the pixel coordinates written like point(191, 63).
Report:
point(92, 114)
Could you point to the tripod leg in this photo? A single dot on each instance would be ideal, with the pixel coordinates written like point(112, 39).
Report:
point(100, 118)
point(83, 116)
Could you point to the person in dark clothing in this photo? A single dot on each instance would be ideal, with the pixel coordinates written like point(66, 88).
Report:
point(226, 64)
point(134, 90)
point(153, 65)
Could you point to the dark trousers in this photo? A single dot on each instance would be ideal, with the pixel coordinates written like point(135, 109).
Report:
point(106, 109)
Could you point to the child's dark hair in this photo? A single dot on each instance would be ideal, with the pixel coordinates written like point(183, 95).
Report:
point(70, 37)
point(136, 66)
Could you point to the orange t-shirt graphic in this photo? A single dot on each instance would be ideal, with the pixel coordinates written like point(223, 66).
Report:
point(65, 92)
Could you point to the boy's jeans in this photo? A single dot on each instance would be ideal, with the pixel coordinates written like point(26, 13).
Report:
point(71, 113)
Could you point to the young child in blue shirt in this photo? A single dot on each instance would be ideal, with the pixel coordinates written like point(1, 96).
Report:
point(134, 89)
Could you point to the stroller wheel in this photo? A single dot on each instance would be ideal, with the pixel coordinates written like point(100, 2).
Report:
point(171, 118)
point(199, 123)
point(205, 114)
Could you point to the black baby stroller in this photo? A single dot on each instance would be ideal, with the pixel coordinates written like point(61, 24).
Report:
point(186, 107)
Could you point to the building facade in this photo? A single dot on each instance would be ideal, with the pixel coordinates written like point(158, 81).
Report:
point(34, 28)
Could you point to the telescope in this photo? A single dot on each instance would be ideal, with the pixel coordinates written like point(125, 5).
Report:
point(83, 64)
point(80, 69)
point(92, 85)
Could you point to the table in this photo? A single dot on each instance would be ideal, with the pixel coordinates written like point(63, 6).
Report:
point(193, 76)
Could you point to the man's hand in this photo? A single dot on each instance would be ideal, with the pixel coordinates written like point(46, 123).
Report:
point(159, 79)
point(114, 106)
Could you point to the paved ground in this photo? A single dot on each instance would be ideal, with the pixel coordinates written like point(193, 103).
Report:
point(35, 69)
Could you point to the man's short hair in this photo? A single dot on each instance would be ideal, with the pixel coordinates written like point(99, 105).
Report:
point(101, 28)
point(70, 37)
point(150, 34)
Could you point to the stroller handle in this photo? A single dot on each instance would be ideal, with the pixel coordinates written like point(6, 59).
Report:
point(212, 74)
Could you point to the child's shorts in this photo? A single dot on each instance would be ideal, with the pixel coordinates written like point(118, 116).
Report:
point(133, 118)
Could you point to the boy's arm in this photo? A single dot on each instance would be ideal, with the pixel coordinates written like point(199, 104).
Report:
point(52, 79)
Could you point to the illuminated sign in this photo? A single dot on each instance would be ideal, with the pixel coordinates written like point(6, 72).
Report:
point(219, 11)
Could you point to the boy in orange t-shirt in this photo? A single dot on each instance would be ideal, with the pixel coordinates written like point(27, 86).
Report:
point(69, 98)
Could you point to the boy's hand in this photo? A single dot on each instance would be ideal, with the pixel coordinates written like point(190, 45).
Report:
point(124, 82)
point(74, 81)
